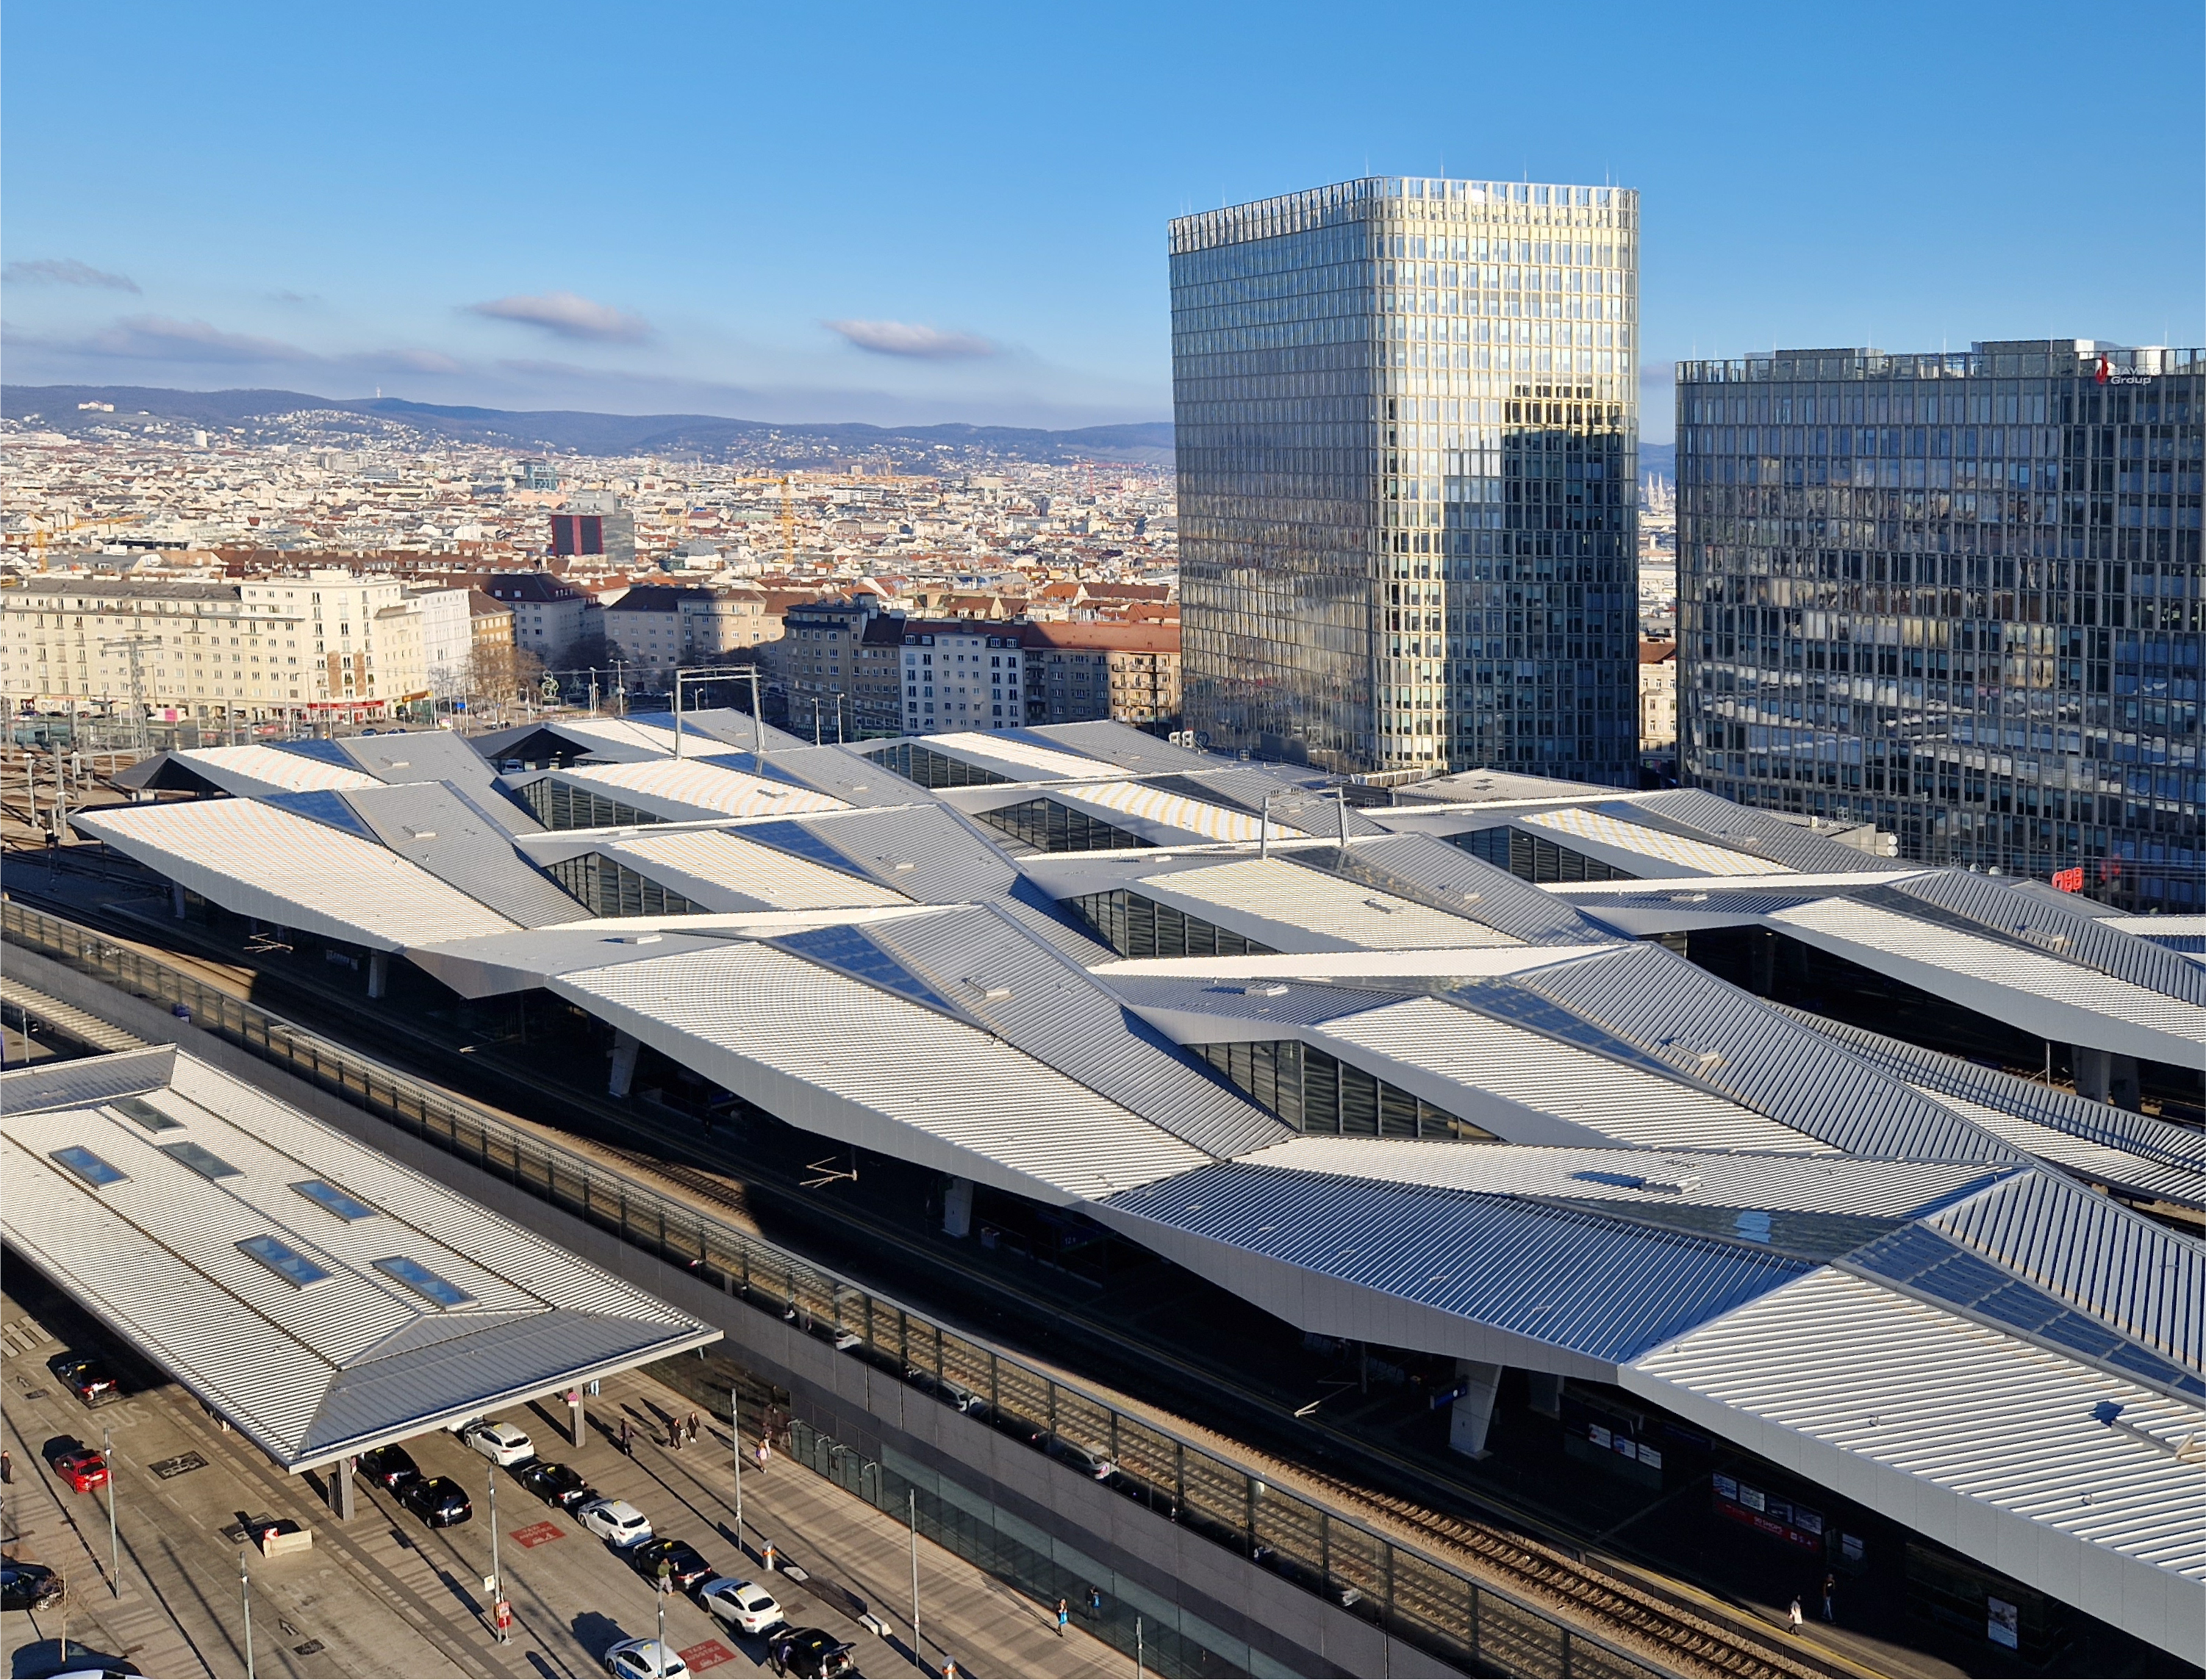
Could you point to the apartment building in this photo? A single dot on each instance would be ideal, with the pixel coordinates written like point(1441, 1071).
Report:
point(447, 638)
point(1658, 701)
point(1079, 671)
point(266, 648)
point(841, 659)
point(550, 615)
point(962, 674)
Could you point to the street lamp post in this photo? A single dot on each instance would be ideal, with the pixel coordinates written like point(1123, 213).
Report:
point(114, 1551)
point(245, 1587)
point(912, 1495)
point(735, 1429)
point(497, 1580)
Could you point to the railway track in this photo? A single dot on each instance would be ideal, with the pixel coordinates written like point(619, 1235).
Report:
point(1667, 1634)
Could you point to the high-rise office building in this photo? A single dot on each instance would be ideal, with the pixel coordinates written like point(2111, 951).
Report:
point(1407, 429)
point(1957, 595)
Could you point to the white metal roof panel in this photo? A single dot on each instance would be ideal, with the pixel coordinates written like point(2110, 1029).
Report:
point(259, 859)
point(294, 772)
point(1470, 1051)
point(1698, 856)
point(1270, 900)
point(990, 750)
point(1983, 1441)
point(2039, 994)
point(2137, 1175)
point(831, 1054)
point(1171, 810)
point(773, 877)
point(701, 788)
point(1829, 1183)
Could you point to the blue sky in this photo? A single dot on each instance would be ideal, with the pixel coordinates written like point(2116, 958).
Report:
point(906, 214)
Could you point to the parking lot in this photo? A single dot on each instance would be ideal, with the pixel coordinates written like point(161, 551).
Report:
point(387, 1595)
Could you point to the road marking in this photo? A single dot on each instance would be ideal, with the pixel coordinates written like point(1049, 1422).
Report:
point(709, 1655)
point(540, 1533)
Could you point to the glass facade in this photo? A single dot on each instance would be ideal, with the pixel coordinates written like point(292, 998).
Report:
point(1957, 595)
point(1407, 430)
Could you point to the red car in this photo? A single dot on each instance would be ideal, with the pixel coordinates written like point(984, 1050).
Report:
point(81, 1468)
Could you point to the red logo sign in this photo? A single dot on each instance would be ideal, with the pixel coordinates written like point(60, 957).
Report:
point(711, 1654)
point(2069, 881)
point(2104, 371)
point(540, 1533)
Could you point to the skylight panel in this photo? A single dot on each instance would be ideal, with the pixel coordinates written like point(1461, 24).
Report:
point(204, 1162)
point(89, 1167)
point(329, 1197)
point(285, 1261)
point(423, 1282)
point(151, 1118)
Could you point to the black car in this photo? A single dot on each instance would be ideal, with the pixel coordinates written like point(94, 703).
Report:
point(557, 1485)
point(88, 1378)
point(390, 1468)
point(439, 1501)
point(28, 1586)
point(687, 1565)
point(813, 1652)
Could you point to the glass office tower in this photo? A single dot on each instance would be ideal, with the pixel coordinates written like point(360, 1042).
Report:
point(1957, 595)
point(1407, 429)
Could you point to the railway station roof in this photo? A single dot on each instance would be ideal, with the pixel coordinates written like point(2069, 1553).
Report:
point(1269, 1058)
point(314, 1293)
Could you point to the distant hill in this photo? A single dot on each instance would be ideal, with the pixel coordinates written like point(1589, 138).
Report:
point(580, 432)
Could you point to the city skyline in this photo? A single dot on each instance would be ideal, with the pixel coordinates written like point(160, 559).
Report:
point(692, 247)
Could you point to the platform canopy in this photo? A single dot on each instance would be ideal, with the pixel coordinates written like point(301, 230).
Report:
point(317, 1296)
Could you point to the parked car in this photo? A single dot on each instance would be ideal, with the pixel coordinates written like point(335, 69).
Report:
point(557, 1484)
point(88, 1377)
point(741, 1605)
point(390, 1468)
point(686, 1565)
point(616, 1521)
point(500, 1443)
point(28, 1586)
point(439, 1501)
point(813, 1652)
point(644, 1660)
point(81, 1468)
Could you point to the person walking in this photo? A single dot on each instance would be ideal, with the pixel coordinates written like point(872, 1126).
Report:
point(628, 1442)
point(1795, 1615)
point(693, 1429)
point(1830, 1598)
point(1064, 1615)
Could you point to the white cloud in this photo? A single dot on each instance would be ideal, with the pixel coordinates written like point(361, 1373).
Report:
point(66, 271)
point(163, 338)
point(568, 315)
point(904, 338)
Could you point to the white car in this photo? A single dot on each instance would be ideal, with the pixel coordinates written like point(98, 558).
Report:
point(741, 1605)
point(500, 1443)
point(644, 1660)
point(616, 1520)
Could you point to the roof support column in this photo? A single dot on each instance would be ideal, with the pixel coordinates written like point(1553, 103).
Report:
point(379, 973)
point(341, 1500)
point(1472, 1413)
point(2106, 1077)
point(177, 898)
point(626, 1046)
point(957, 1208)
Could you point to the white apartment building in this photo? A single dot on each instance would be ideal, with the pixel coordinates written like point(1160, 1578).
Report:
point(185, 650)
point(962, 674)
point(447, 639)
